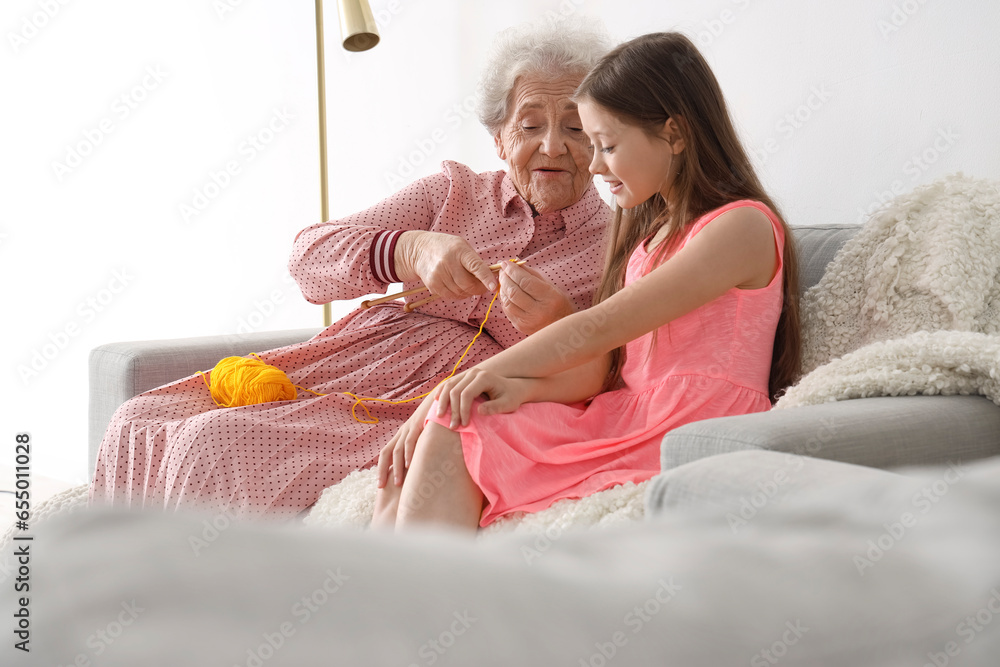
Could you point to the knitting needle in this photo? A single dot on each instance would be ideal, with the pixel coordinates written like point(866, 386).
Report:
point(392, 297)
point(417, 290)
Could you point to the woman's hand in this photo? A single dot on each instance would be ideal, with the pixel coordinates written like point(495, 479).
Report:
point(445, 263)
point(529, 300)
point(398, 452)
point(503, 394)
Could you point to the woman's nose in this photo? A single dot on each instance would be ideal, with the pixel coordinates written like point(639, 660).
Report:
point(553, 142)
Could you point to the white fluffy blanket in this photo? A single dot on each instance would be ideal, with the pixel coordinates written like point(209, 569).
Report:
point(351, 503)
point(911, 304)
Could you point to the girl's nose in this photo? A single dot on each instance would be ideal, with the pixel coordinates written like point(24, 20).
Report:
point(596, 164)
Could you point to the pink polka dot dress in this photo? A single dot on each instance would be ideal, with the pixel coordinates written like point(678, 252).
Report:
point(712, 362)
point(172, 447)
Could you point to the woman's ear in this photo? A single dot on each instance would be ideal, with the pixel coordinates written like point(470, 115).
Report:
point(672, 134)
point(501, 149)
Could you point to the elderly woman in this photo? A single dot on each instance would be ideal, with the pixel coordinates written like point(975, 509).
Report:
point(171, 447)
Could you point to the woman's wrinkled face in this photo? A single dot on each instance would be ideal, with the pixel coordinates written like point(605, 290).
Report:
point(543, 143)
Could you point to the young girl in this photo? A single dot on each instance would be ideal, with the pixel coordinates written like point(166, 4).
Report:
point(696, 316)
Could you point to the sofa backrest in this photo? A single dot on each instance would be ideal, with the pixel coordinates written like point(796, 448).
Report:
point(817, 245)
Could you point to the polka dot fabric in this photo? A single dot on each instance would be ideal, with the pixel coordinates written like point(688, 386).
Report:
point(173, 448)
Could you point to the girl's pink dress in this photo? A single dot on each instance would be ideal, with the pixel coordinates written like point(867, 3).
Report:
point(712, 362)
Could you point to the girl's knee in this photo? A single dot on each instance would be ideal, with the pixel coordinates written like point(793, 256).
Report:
point(437, 441)
point(437, 459)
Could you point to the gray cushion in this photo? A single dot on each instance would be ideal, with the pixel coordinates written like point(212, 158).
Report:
point(119, 371)
point(881, 432)
point(743, 484)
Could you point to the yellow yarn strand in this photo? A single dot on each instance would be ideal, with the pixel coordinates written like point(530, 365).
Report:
point(238, 381)
point(359, 400)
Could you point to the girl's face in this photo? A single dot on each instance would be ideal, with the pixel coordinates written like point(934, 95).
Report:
point(635, 164)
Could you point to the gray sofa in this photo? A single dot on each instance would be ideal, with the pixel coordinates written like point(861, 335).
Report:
point(878, 432)
point(826, 576)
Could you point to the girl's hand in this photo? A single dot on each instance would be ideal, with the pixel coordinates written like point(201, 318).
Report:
point(398, 452)
point(504, 394)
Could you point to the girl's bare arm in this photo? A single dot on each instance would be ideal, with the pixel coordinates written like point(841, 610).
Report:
point(737, 249)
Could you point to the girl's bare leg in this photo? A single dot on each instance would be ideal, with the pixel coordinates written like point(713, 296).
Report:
point(437, 488)
point(386, 504)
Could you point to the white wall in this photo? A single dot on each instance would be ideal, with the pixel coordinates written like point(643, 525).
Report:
point(843, 103)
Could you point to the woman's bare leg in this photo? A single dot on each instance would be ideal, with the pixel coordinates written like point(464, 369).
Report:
point(437, 488)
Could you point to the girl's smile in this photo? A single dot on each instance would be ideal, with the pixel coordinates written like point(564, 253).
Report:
point(634, 163)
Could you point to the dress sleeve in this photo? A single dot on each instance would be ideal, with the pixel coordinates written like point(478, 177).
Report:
point(349, 257)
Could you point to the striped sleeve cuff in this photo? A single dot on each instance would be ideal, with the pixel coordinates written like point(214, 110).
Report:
point(382, 255)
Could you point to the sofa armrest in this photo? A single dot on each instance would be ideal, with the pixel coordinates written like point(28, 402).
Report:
point(882, 432)
point(119, 371)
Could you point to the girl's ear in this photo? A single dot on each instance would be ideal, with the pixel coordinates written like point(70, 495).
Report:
point(501, 149)
point(672, 134)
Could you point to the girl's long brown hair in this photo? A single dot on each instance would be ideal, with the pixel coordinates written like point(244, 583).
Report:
point(644, 82)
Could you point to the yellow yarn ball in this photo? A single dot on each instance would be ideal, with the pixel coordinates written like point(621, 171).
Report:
point(242, 381)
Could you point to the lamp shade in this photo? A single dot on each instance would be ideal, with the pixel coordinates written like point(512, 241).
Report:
point(357, 25)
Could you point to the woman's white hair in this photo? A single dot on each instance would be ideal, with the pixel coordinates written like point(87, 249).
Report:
point(553, 48)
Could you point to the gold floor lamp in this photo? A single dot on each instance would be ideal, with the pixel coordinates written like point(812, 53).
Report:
point(359, 33)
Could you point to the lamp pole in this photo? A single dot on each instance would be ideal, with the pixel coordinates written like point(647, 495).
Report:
point(359, 33)
point(324, 193)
